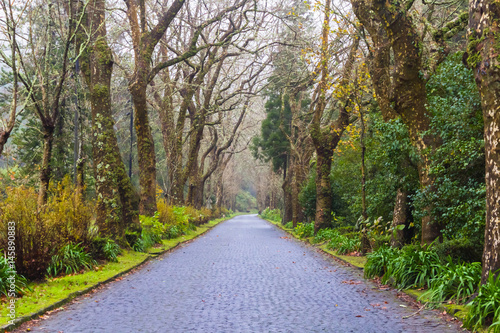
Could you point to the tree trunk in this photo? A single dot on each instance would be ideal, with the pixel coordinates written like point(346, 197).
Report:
point(117, 203)
point(145, 147)
point(296, 208)
point(400, 217)
point(323, 190)
point(46, 172)
point(483, 50)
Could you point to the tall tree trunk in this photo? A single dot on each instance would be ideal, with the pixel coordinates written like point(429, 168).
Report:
point(46, 171)
point(117, 203)
point(400, 217)
point(296, 208)
point(145, 147)
point(287, 193)
point(483, 50)
point(323, 190)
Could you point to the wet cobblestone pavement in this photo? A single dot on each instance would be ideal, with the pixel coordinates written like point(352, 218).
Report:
point(244, 275)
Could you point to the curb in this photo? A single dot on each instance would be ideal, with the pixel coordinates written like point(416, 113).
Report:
point(73, 295)
point(317, 246)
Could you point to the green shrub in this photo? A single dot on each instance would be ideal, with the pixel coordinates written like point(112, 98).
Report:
point(152, 228)
point(172, 232)
point(377, 241)
point(6, 274)
point(64, 218)
point(271, 214)
point(69, 260)
point(348, 245)
point(345, 230)
point(485, 308)
point(456, 282)
point(104, 248)
point(325, 235)
point(289, 225)
point(414, 267)
point(303, 230)
point(343, 244)
point(460, 250)
point(378, 261)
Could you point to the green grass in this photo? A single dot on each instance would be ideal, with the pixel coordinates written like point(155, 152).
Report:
point(57, 289)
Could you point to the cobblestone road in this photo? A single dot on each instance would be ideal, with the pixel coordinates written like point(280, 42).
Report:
point(244, 275)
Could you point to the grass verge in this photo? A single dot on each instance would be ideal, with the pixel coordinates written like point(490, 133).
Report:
point(54, 293)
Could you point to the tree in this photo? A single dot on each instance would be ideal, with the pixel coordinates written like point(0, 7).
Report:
point(144, 40)
point(401, 92)
point(482, 57)
point(326, 138)
point(117, 203)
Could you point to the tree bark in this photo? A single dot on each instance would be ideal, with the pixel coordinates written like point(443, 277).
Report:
point(400, 217)
point(482, 51)
point(323, 190)
point(46, 170)
point(287, 195)
point(117, 203)
point(145, 146)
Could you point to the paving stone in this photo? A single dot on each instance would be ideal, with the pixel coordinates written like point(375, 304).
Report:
point(244, 275)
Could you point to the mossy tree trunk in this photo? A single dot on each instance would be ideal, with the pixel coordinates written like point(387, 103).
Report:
point(483, 57)
point(117, 203)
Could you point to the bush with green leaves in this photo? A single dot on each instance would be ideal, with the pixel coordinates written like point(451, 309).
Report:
point(6, 274)
point(343, 244)
point(325, 235)
point(456, 282)
point(485, 308)
point(289, 225)
point(378, 261)
point(460, 249)
point(70, 259)
point(172, 231)
point(104, 248)
point(304, 230)
point(415, 266)
point(271, 214)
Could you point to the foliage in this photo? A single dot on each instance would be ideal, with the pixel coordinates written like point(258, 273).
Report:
point(378, 261)
point(485, 307)
point(111, 251)
point(65, 218)
point(307, 199)
point(245, 201)
point(6, 274)
point(412, 266)
point(69, 260)
point(458, 164)
point(325, 234)
point(415, 266)
point(288, 225)
point(272, 143)
point(344, 244)
point(304, 230)
point(456, 282)
point(104, 248)
point(463, 249)
point(271, 214)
